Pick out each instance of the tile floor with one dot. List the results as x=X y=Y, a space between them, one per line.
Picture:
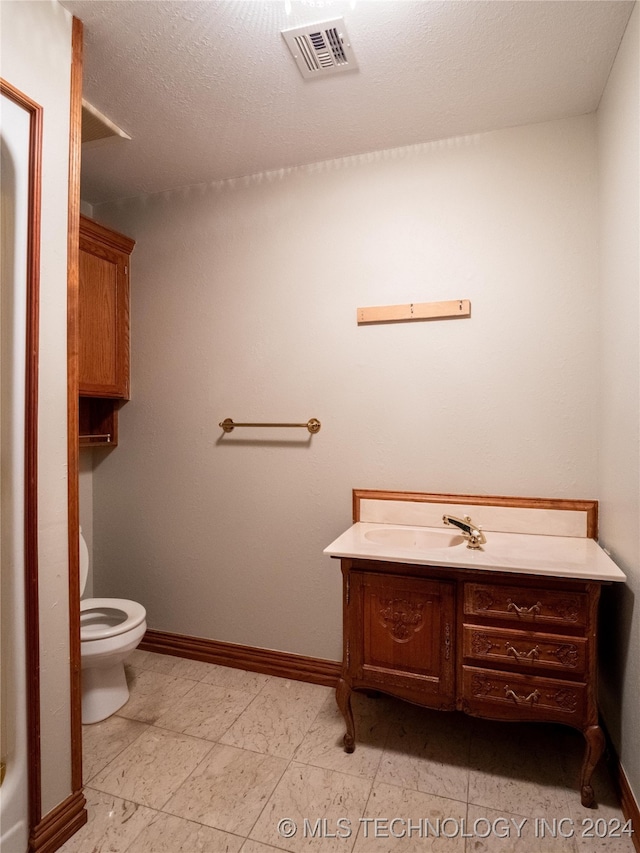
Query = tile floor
x=208 y=759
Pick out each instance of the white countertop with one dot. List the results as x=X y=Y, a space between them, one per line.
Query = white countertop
x=576 y=558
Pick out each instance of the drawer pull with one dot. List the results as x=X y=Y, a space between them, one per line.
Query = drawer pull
x=532 y=698
x=532 y=653
x=525 y=611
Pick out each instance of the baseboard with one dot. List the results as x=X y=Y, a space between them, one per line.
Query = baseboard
x=59 y=824
x=628 y=802
x=267 y=661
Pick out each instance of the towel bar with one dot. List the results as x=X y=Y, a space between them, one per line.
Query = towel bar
x=313 y=425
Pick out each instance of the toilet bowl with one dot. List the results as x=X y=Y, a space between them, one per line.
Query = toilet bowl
x=110 y=629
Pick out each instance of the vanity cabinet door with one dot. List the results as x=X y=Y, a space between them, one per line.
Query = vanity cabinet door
x=402 y=636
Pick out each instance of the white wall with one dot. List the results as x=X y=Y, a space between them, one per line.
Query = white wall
x=36 y=58
x=244 y=298
x=619 y=435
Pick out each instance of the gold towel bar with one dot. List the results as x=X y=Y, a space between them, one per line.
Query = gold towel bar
x=313 y=425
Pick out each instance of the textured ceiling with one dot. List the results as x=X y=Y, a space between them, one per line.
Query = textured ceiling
x=209 y=90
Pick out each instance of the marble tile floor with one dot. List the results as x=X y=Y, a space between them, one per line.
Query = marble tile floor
x=208 y=759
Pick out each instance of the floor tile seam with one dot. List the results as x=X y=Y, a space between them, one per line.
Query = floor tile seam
x=157 y=725
x=157 y=811
x=318 y=712
x=164 y=803
x=468 y=760
x=189 y=774
x=303 y=733
x=383 y=748
x=419 y=791
x=139 y=735
x=243 y=838
x=366 y=778
x=503 y=811
x=251 y=749
x=122 y=799
x=363 y=813
x=268 y=798
x=381 y=780
x=129 y=848
x=301 y=764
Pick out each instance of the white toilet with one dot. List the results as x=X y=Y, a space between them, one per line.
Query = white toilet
x=110 y=629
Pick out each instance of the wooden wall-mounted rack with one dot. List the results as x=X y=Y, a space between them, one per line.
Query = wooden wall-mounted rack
x=415 y=311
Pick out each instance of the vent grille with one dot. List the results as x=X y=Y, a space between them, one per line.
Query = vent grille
x=321 y=49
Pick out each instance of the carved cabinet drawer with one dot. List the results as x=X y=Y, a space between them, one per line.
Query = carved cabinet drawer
x=524 y=649
x=526 y=605
x=518 y=696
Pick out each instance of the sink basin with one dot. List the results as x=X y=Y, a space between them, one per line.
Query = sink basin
x=415 y=539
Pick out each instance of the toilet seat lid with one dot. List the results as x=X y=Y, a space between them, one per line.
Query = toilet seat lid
x=133 y=613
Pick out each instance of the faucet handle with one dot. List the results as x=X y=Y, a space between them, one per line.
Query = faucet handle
x=472 y=532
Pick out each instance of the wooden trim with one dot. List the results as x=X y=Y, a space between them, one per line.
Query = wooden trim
x=267 y=661
x=59 y=825
x=32 y=639
x=590 y=507
x=73 y=264
x=628 y=801
x=113 y=239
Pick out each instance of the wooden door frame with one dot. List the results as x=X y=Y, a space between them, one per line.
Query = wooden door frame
x=32 y=637
x=73 y=250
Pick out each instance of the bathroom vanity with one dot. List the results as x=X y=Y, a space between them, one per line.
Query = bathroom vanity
x=506 y=632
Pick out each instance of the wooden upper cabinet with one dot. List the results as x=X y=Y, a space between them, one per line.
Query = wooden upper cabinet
x=104 y=311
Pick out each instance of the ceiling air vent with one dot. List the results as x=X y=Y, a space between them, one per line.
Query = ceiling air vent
x=321 y=49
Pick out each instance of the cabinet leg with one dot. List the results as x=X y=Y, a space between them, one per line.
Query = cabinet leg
x=343 y=698
x=593 y=752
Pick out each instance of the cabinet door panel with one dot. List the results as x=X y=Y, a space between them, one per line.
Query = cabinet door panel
x=407 y=633
x=98 y=306
x=103 y=312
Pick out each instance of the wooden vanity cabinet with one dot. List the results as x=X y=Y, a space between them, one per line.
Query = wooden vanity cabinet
x=494 y=645
x=103 y=330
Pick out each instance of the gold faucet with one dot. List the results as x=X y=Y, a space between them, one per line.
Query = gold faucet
x=471 y=532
